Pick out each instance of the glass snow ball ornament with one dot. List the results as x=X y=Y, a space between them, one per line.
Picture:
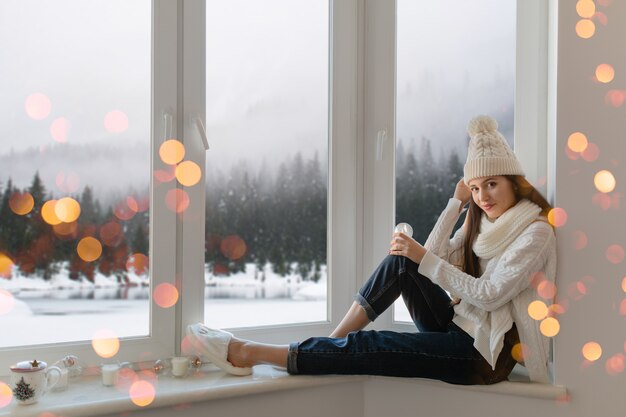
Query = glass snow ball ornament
x=404 y=228
x=161 y=366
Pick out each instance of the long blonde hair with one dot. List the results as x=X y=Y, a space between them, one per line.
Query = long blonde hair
x=522 y=189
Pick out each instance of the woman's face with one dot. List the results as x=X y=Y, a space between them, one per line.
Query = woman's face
x=494 y=195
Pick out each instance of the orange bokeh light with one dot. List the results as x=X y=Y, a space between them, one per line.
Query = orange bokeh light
x=21 y=203
x=67 y=210
x=165 y=295
x=7 y=302
x=557 y=217
x=116 y=121
x=592 y=351
x=111 y=233
x=615 y=98
x=623 y=283
x=233 y=247
x=615 y=254
x=615 y=364
x=137 y=262
x=557 y=309
x=546 y=290
x=520 y=352
x=165 y=175
x=105 y=343
x=66 y=230
x=580 y=239
x=6 y=266
x=38 y=106
x=142 y=393
x=6 y=395
x=585 y=8
x=172 y=151
x=585 y=28
x=89 y=249
x=132 y=203
x=604 y=181
x=59 y=129
x=48 y=212
x=605 y=73
x=622 y=307
x=177 y=200
x=549 y=327
x=591 y=153
x=537 y=310
x=577 y=142
x=188 y=173
x=123 y=211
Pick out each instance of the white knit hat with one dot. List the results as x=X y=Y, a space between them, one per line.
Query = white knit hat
x=488 y=153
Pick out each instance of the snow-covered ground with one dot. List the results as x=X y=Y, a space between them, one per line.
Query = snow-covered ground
x=82 y=308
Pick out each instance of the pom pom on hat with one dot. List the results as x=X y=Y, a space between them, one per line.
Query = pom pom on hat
x=488 y=154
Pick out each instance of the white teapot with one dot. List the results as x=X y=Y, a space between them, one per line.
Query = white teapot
x=31 y=380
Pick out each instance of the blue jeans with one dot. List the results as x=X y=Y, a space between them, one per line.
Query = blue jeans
x=440 y=350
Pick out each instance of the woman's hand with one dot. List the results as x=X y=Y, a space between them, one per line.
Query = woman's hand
x=462 y=192
x=402 y=245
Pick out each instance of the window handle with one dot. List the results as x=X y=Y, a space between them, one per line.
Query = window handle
x=197 y=120
x=380 y=143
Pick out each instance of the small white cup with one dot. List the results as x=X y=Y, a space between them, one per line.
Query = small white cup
x=180 y=366
x=109 y=374
x=31 y=380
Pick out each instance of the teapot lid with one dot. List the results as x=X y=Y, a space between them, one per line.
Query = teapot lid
x=26 y=366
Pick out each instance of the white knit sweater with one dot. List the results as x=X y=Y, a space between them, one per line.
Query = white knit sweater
x=501 y=295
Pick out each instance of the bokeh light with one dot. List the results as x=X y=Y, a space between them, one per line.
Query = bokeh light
x=622 y=307
x=6 y=395
x=132 y=203
x=165 y=175
x=624 y=284
x=105 y=343
x=48 y=212
x=604 y=181
x=577 y=142
x=581 y=287
x=615 y=98
x=585 y=28
x=138 y=263
x=141 y=393
x=116 y=121
x=111 y=233
x=592 y=351
x=6 y=265
x=123 y=211
x=615 y=364
x=188 y=173
x=89 y=249
x=520 y=352
x=177 y=200
x=537 y=310
x=557 y=217
x=546 y=290
x=591 y=153
x=549 y=327
x=233 y=247
x=585 y=8
x=165 y=295
x=580 y=239
x=21 y=203
x=66 y=230
x=7 y=301
x=172 y=152
x=557 y=309
x=38 y=106
x=67 y=209
x=615 y=254
x=601 y=18
x=59 y=129
x=605 y=73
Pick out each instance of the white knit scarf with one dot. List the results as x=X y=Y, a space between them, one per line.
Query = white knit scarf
x=494 y=237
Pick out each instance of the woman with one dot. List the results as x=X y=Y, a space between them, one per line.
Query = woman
x=468 y=296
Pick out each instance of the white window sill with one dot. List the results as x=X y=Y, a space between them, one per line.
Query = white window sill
x=88 y=397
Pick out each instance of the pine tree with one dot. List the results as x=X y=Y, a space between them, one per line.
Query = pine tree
x=23 y=390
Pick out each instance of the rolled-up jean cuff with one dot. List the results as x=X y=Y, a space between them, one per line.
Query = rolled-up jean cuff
x=371 y=314
x=292 y=358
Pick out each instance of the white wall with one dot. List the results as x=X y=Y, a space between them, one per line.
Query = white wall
x=596 y=317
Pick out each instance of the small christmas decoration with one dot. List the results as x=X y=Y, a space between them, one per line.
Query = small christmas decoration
x=23 y=391
x=196 y=362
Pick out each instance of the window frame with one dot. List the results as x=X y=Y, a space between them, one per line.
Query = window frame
x=160 y=342
x=531 y=121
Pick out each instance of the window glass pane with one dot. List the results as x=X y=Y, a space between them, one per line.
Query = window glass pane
x=267 y=121
x=450 y=68
x=74 y=185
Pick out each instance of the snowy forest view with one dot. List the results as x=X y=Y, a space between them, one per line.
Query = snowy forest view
x=259 y=217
